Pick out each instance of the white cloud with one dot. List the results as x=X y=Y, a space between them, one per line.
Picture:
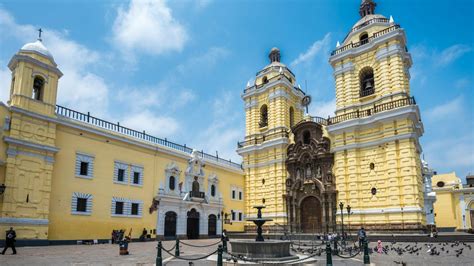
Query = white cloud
x=161 y=126
x=439 y=58
x=453 y=108
x=225 y=129
x=148 y=27
x=206 y=60
x=5 y=82
x=451 y=153
x=78 y=88
x=451 y=53
x=317 y=47
x=323 y=109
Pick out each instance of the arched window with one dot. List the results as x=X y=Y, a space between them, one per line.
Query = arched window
x=306 y=137
x=364 y=38
x=213 y=190
x=38 y=87
x=265 y=80
x=172 y=182
x=366 y=78
x=292 y=117
x=263 y=116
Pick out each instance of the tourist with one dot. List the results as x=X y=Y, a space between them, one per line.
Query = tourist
x=143 y=236
x=362 y=236
x=379 y=247
x=10 y=241
x=224 y=236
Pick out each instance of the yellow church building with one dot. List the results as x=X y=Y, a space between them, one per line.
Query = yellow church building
x=454 y=206
x=71 y=176
x=68 y=175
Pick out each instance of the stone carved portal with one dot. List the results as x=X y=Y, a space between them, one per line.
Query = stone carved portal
x=310 y=189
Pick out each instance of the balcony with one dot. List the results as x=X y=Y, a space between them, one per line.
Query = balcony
x=367 y=92
x=197 y=194
x=282 y=133
x=364 y=41
x=371 y=111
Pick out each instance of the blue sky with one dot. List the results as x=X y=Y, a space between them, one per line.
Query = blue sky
x=177 y=68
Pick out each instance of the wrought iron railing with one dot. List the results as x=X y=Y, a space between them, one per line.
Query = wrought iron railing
x=367 y=92
x=364 y=41
x=371 y=111
x=278 y=77
x=282 y=133
x=142 y=135
x=196 y=194
x=368 y=22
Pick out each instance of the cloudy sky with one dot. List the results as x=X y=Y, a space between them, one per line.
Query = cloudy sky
x=177 y=68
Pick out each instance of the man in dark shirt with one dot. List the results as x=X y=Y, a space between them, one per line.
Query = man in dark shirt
x=10 y=241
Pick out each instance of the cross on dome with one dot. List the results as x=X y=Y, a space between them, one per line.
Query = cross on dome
x=39 y=34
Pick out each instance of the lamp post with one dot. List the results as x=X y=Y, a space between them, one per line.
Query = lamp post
x=341 y=206
x=221 y=216
x=349 y=216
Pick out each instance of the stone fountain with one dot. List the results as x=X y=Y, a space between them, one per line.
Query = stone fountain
x=259 y=249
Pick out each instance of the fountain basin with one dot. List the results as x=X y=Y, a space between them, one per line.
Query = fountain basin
x=268 y=250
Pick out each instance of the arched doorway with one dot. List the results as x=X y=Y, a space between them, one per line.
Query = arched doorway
x=310 y=215
x=212 y=225
x=170 y=224
x=193 y=224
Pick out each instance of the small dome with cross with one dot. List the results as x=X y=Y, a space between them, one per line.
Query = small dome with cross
x=37 y=47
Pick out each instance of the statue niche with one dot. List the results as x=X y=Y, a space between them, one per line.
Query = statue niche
x=310 y=192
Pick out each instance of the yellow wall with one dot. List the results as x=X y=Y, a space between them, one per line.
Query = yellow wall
x=453 y=202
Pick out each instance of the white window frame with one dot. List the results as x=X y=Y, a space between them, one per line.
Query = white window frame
x=238 y=190
x=87 y=158
x=77 y=195
x=136 y=169
x=120 y=165
x=127 y=207
x=239 y=216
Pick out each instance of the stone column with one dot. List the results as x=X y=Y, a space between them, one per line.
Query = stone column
x=160 y=223
x=323 y=212
x=203 y=224
x=181 y=222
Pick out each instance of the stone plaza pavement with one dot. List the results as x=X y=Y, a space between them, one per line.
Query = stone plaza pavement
x=145 y=254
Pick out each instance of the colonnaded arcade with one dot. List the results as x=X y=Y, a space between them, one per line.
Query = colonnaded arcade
x=64 y=169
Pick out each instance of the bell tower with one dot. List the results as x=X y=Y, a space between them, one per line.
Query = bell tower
x=376 y=130
x=272 y=107
x=29 y=137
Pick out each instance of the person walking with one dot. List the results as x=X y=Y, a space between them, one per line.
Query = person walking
x=362 y=235
x=10 y=241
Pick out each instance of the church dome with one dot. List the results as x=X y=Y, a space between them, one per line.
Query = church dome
x=37 y=47
x=367 y=18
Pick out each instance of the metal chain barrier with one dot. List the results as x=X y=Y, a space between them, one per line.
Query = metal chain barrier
x=196 y=246
x=191 y=259
x=168 y=250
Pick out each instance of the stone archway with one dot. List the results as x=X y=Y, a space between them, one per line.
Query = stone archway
x=170 y=224
x=193 y=224
x=310 y=215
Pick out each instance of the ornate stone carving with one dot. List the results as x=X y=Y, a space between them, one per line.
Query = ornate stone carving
x=311 y=194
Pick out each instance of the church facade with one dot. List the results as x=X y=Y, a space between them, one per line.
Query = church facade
x=374 y=155
x=71 y=176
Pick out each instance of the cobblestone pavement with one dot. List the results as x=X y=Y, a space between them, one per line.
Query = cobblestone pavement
x=145 y=254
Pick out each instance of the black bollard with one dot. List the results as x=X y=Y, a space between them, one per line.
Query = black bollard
x=366 y=253
x=176 y=251
x=219 y=255
x=328 y=254
x=159 y=259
